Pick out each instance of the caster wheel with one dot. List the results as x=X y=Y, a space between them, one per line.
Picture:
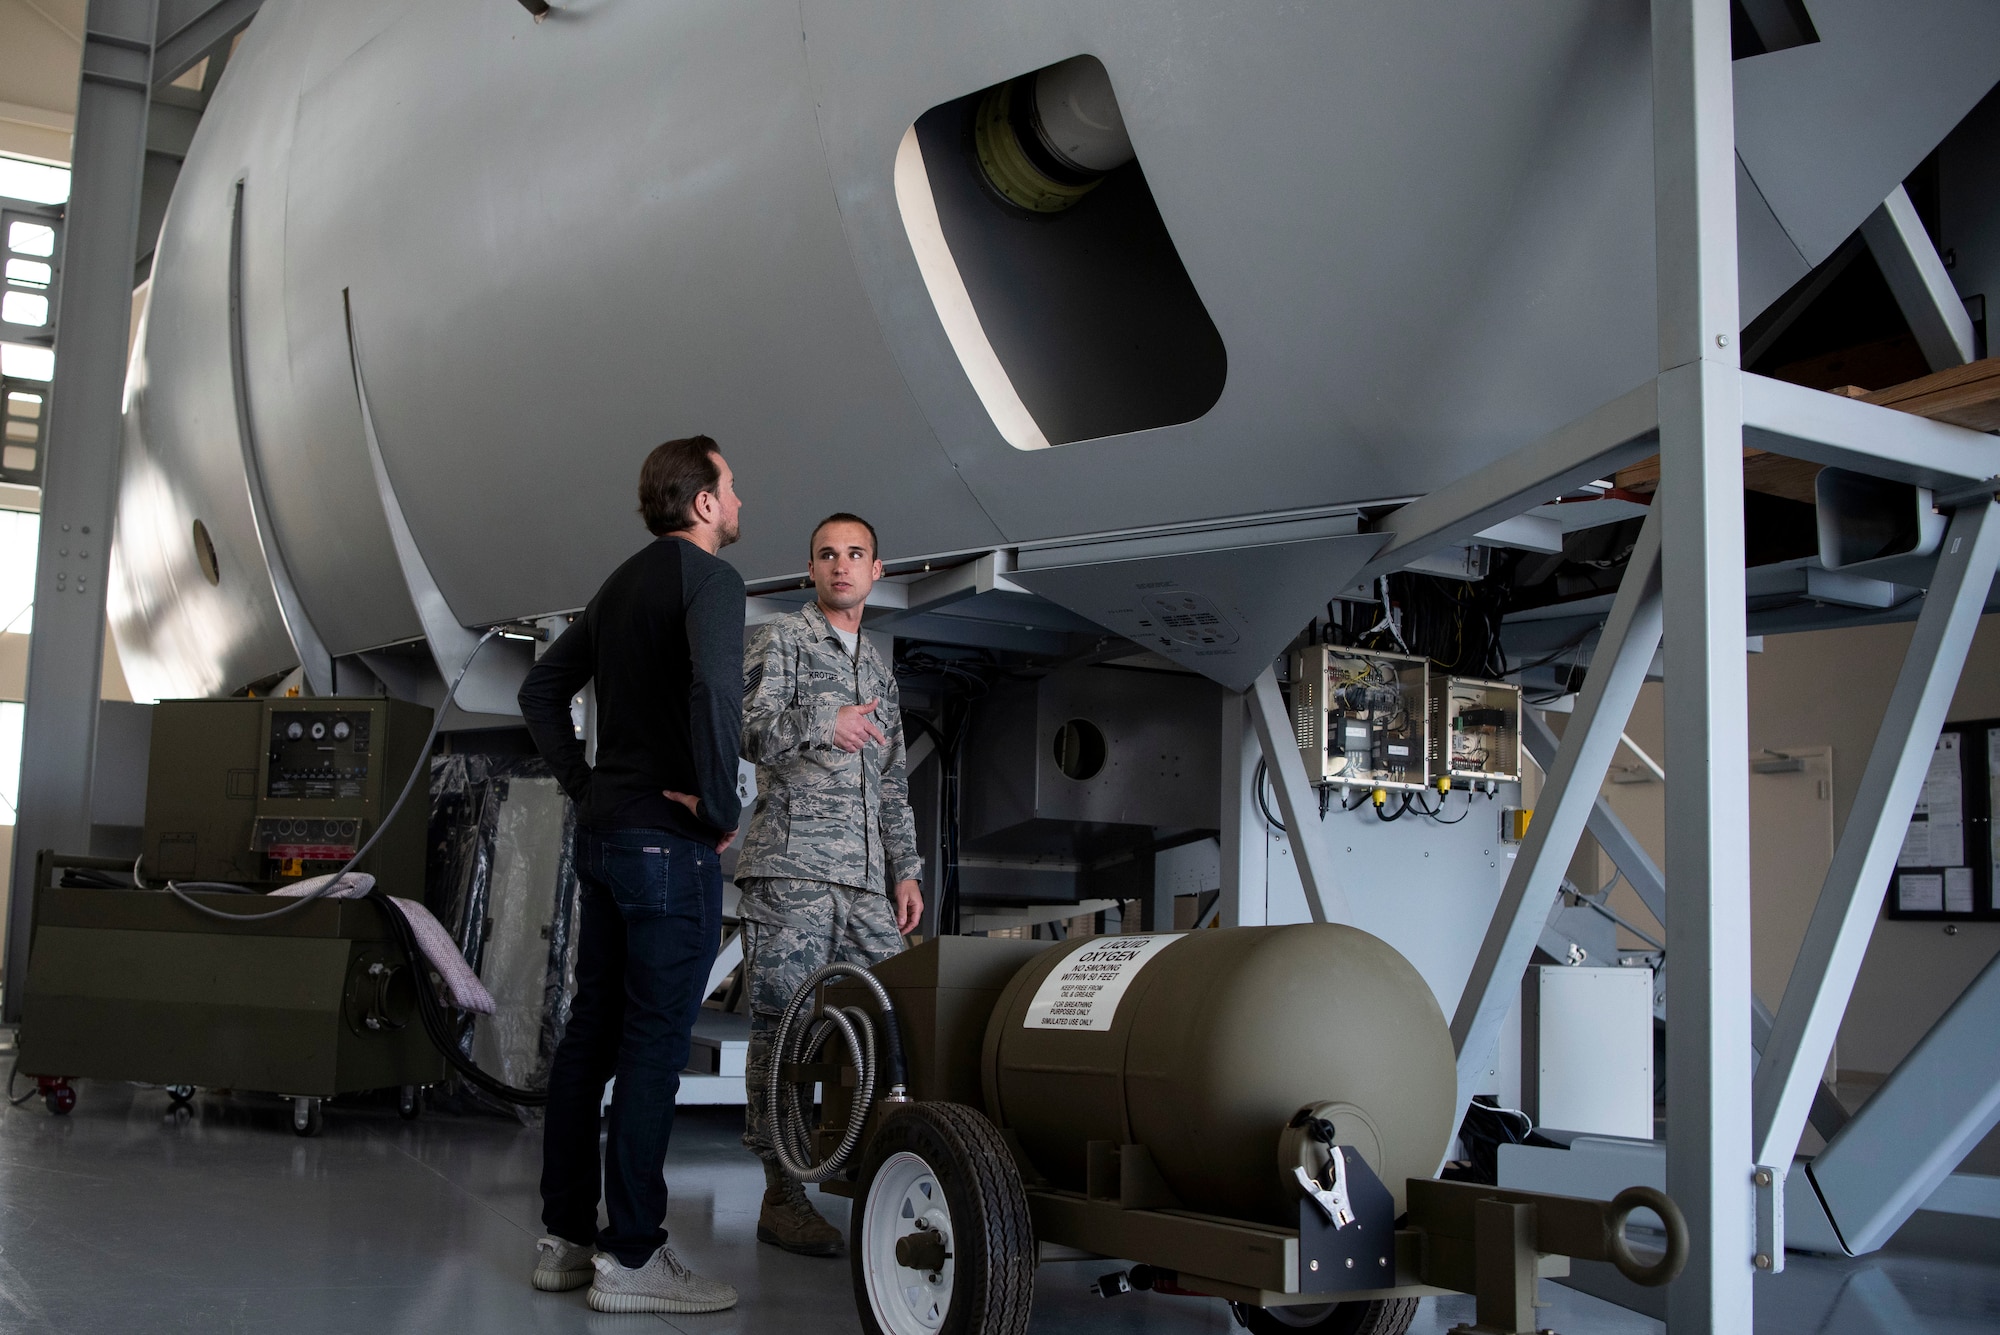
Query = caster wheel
x=308 y=1118
x=409 y=1102
x=942 y=1242
x=1389 y=1316
x=180 y=1093
x=61 y=1100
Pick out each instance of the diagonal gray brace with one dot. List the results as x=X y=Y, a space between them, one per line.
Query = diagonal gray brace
x=1617 y=671
x=1941 y=1101
x=1829 y=958
x=1917 y=277
x=1296 y=802
x=1604 y=825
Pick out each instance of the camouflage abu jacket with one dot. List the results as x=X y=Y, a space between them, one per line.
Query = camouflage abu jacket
x=822 y=814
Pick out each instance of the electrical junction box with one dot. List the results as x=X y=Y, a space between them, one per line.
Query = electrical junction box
x=1362 y=718
x=261 y=792
x=1475 y=731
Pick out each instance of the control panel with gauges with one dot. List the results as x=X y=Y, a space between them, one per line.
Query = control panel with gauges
x=267 y=791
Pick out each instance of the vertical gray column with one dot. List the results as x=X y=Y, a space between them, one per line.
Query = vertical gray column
x=1245 y=900
x=80 y=477
x=1707 y=712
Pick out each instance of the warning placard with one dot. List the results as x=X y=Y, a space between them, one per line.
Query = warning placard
x=1084 y=990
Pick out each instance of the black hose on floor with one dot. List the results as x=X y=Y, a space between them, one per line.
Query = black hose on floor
x=437 y=1024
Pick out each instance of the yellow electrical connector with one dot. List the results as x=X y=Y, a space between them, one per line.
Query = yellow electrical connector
x=1444 y=783
x=1381 y=796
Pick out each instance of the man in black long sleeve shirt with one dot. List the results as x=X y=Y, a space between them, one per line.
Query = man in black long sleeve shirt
x=663 y=643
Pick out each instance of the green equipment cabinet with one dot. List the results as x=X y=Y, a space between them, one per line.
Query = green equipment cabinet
x=135 y=985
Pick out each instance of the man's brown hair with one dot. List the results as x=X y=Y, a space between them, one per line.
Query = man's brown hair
x=842 y=517
x=672 y=476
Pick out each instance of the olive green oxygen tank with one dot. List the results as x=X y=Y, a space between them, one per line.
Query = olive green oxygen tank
x=1201 y=1046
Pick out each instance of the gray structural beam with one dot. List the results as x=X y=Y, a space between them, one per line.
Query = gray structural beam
x=1822 y=428
x=80 y=472
x=1709 y=1169
x=1245 y=897
x=1618 y=670
x=1595 y=445
x=190 y=29
x=1296 y=800
x=1898 y=1150
x=1916 y=276
x=1843 y=920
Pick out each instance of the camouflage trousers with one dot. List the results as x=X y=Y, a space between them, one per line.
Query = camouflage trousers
x=790 y=929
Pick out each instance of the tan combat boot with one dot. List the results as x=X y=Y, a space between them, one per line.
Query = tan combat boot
x=788 y=1220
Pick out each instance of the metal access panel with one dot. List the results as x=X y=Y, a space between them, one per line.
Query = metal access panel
x=1362 y=718
x=1475 y=730
x=1587 y=1049
x=134 y=985
x=261 y=792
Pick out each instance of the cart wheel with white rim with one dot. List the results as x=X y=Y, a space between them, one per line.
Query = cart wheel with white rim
x=941 y=1243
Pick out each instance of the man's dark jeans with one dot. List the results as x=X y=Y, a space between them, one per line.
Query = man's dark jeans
x=651 y=916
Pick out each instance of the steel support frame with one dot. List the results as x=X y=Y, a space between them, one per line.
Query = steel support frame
x=1709 y=1167
x=1297 y=803
x=80 y=466
x=1617 y=671
x=1836 y=939
x=1701 y=410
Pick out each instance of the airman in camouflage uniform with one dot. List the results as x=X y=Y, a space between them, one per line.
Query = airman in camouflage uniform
x=831 y=832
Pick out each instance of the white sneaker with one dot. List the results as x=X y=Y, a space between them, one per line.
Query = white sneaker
x=663 y=1284
x=561 y=1266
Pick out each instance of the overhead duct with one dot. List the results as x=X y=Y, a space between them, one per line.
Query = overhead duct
x=1872 y=526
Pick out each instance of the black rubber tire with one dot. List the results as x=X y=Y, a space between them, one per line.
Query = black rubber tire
x=1388 y=1316
x=410 y=1102
x=315 y=1119
x=993 y=1280
x=180 y=1094
x=60 y=1101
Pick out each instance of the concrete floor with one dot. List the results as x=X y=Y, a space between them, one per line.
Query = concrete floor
x=131 y=1216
